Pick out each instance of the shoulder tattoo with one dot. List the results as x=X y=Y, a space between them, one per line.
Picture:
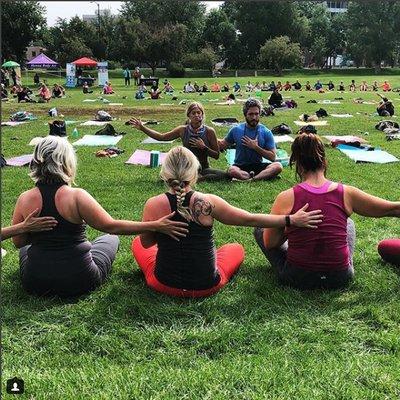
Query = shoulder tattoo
x=201 y=207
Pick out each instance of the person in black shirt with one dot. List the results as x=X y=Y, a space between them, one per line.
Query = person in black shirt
x=276 y=99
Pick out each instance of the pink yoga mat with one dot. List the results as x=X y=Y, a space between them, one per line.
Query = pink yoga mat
x=142 y=157
x=20 y=161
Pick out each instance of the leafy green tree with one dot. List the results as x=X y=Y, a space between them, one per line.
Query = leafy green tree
x=319 y=51
x=68 y=40
x=20 y=24
x=159 y=13
x=139 y=41
x=203 y=59
x=279 y=53
x=219 y=32
x=373 y=29
x=258 y=21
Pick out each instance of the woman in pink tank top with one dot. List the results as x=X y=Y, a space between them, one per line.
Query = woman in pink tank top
x=321 y=257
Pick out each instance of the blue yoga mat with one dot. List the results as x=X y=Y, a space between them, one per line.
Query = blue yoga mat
x=281 y=156
x=362 y=155
x=98 y=140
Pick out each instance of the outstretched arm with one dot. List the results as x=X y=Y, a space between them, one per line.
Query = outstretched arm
x=369 y=206
x=138 y=124
x=95 y=215
x=229 y=215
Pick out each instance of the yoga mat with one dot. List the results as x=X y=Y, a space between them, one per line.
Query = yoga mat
x=94 y=123
x=283 y=138
x=142 y=157
x=13 y=123
x=341 y=115
x=345 y=138
x=98 y=140
x=20 y=161
x=281 y=156
x=115 y=104
x=362 y=155
x=150 y=140
x=89 y=100
x=315 y=123
x=329 y=102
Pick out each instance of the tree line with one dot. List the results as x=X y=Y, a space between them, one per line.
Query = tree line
x=181 y=33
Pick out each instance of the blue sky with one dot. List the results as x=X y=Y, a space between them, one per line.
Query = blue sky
x=68 y=9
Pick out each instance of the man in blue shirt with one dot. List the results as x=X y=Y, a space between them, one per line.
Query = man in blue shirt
x=127 y=76
x=253 y=143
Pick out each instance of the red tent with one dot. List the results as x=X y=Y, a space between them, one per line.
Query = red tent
x=85 y=62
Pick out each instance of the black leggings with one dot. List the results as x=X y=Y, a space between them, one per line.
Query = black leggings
x=302 y=279
x=210 y=174
x=69 y=272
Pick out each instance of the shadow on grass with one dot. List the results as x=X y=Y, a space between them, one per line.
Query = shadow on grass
x=253 y=295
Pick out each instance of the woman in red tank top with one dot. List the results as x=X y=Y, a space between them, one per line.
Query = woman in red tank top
x=321 y=257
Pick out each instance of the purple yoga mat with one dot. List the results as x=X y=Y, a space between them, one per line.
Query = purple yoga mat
x=20 y=161
x=142 y=157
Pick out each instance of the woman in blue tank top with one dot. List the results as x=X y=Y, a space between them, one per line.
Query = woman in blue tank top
x=200 y=139
x=62 y=261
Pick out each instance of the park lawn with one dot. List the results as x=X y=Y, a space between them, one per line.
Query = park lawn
x=252 y=340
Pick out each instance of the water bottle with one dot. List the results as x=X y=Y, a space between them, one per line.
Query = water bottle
x=75 y=133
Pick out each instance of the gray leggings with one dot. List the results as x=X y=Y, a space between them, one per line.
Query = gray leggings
x=303 y=279
x=69 y=272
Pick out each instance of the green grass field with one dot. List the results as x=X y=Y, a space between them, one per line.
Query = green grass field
x=252 y=340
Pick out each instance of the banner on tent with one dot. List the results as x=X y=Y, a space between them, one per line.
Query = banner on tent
x=70 y=78
x=102 y=68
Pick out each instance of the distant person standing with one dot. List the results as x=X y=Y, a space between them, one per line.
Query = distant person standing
x=36 y=79
x=136 y=75
x=14 y=76
x=127 y=76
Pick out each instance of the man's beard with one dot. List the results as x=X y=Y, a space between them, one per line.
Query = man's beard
x=252 y=123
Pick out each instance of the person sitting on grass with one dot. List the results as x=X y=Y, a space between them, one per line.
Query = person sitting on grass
x=107 y=89
x=44 y=93
x=253 y=143
x=86 y=89
x=36 y=79
x=249 y=87
x=331 y=86
x=155 y=93
x=264 y=86
x=318 y=85
x=225 y=87
x=385 y=107
x=189 y=88
x=200 y=139
x=386 y=86
x=287 y=86
x=62 y=261
x=297 y=85
x=308 y=86
x=24 y=95
x=276 y=99
x=341 y=87
x=58 y=91
x=194 y=267
x=215 y=87
x=353 y=86
x=307 y=259
x=196 y=87
x=204 y=88
x=236 y=87
x=364 y=86
x=168 y=87
x=375 y=86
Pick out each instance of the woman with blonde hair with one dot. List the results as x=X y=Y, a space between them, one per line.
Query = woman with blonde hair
x=199 y=138
x=323 y=258
x=194 y=267
x=62 y=261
